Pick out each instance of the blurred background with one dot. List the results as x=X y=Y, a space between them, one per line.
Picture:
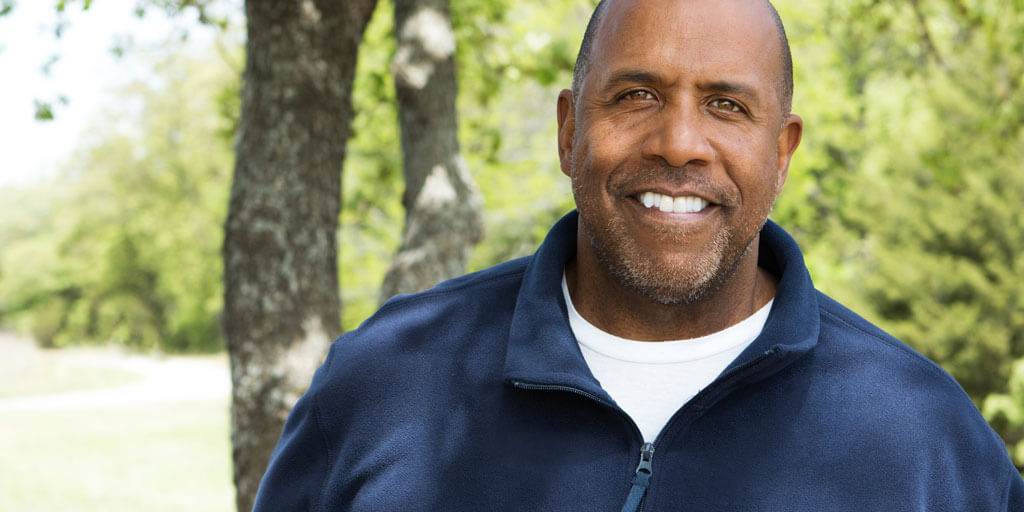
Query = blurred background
x=118 y=128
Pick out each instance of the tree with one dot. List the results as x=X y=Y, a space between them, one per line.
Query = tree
x=443 y=207
x=907 y=190
x=124 y=246
x=510 y=60
x=281 y=290
x=281 y=303
x=903 y=193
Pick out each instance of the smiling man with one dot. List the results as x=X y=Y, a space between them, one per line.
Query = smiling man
x=665 y=348
x=677 y=148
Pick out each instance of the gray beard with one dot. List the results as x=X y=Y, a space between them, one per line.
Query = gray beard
x=631 y=268
x=703 y=277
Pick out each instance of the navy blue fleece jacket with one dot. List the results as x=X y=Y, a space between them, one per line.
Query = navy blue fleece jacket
x=473 y=396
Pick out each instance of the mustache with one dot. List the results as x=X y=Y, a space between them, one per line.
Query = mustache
x=630 y=180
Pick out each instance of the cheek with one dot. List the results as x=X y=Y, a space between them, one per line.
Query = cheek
x=755 y=176
x=765 y=187
x=608 y=141
x=758 y=152
x=590 y=159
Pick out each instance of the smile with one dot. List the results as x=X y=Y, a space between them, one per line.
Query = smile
x=669 y=204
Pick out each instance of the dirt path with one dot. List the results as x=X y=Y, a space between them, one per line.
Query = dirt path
x=164 y=379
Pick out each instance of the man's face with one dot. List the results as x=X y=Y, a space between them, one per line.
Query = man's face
x=677 y=145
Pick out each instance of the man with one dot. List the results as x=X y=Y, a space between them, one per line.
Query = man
x=664 y=348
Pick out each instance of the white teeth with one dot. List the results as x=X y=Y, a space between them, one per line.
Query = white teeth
x=681 y=204
x=665 y=204
x=669 y=204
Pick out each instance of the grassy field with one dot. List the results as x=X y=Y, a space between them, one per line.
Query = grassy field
x=170 y=456
x=41 y=372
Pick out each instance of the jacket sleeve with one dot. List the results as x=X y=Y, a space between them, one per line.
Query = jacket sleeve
x=1015 y=492
x=300 y=462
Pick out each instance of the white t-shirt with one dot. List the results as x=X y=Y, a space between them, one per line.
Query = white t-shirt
x=652 y=380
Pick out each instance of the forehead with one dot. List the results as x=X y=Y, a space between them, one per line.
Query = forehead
x=700 y=39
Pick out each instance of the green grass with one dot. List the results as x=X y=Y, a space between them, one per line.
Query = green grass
x=51 y=373
x=169 y=457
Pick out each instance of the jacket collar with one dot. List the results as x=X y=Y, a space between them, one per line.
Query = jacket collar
x=543 y=350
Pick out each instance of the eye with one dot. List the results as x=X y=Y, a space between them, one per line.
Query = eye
x=726 y=106
x=637 y=95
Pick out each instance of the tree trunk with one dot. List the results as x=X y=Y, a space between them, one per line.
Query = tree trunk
x=281 y=302
x=443 y=206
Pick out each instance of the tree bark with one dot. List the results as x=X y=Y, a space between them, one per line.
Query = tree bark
x=281 y=297
x=443 y=206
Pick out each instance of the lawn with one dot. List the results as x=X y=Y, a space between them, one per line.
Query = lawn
x=41 y=372
x=169 y=456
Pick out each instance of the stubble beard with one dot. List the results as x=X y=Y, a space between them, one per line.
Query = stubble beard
x=689 y=282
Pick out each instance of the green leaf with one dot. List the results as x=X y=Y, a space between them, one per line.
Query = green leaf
x=44 y=111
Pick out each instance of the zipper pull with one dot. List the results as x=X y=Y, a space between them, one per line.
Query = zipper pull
x=641 y=479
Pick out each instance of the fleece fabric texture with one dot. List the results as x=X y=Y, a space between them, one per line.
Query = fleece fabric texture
x=474 y=396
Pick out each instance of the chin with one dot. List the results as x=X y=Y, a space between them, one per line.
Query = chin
x=687 y=284
x=675 y=294
x=680 y=280
x=675 y=279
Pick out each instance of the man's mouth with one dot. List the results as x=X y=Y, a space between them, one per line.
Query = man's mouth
x=670 y=204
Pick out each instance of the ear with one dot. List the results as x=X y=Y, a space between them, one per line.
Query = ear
x=566 y=129
x=789 y=138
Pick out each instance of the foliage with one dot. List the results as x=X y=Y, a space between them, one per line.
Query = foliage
x=1005 y=411
x=908 y=183
x=512 y=58
x=904 y=195
x=125 y=245
x=507 y=125
x=372 y=213
x=62 y=4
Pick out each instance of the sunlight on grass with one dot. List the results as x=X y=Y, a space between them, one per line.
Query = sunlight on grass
x=49 y=372
x=168 y=457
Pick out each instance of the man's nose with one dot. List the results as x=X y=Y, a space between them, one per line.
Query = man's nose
x=677 y=137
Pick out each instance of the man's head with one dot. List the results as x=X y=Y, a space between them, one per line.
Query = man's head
x=673 y=141
x=586 y=46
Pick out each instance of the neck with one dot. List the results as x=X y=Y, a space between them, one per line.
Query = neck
x=615 y=309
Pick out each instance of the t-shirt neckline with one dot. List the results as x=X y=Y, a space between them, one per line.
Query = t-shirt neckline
x=663 y=352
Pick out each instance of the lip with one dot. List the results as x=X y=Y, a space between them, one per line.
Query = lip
x=655 y=214
x=672 y=192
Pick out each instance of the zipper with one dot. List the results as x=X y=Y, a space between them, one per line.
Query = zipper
x=576 y=391
x=641 y=479
x=644 y=470
x=642 y=475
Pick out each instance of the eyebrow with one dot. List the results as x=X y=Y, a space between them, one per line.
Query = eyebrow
x=637 y=76
x=737 y=88
x=631 y=76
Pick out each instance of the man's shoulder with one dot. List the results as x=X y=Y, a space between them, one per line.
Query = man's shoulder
x=498 y=282
x=851 y=335
x=444 y=317
x=880 y=379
